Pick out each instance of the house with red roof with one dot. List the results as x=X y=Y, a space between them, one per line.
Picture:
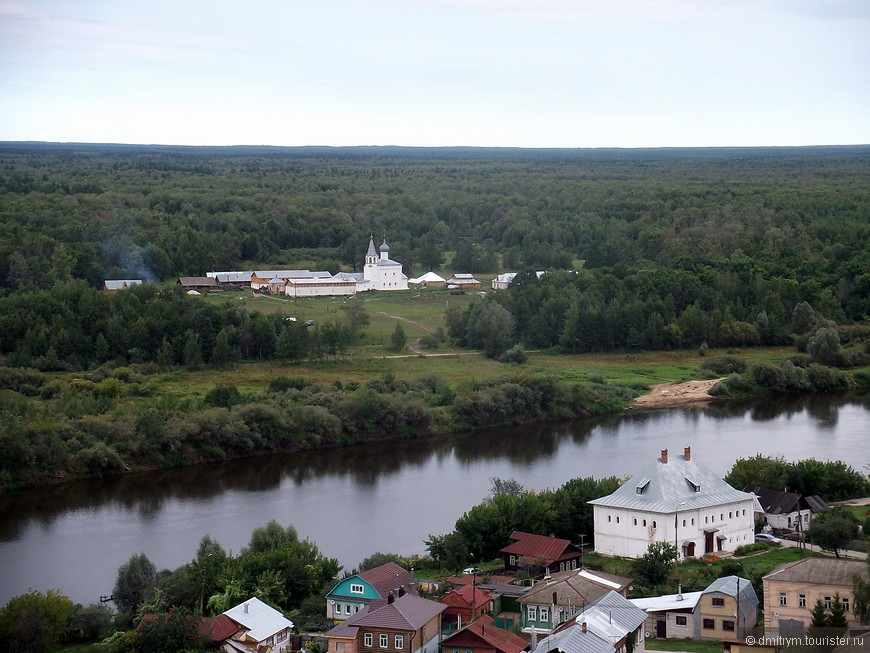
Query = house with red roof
x=403 y=623
x=483 y=636
x=465 y=604
x=353 y=593
x=540 y=554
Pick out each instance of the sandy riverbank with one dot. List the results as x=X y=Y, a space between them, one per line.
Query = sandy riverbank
x=666 y=395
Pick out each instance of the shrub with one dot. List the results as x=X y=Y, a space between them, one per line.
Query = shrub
x=223 y=396
x=284 y=383
x=515 y=354
x=724 y=364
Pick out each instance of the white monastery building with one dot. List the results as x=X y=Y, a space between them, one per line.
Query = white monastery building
x=380 y=272
x=674 y=500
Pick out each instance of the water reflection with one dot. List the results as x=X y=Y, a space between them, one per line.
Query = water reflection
x=430 y=482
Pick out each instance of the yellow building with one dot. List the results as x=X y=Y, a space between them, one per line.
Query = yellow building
x=727 y=609
x=792 y=589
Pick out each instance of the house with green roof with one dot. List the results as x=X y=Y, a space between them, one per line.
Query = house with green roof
x=353 y=593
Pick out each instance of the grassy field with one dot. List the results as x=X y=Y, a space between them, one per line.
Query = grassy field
x=427 y=308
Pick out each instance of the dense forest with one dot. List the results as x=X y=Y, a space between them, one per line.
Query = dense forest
x=648 y=249
x=644 y=250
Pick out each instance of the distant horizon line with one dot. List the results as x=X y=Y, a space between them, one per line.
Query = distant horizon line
x=433 y=147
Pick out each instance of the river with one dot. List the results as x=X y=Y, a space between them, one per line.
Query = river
x=387 y=496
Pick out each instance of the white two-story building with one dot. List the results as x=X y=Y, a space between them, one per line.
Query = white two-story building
x=676 y=500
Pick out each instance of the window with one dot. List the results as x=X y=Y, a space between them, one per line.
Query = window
x=384 y=640
x=654 y=523
x=693 y=521
x=718 y=602
x=617 y=520
x=730 y=515
x=782 y=599
x=681 y=621
x=609 y=518
x=728 y=626
x=337 y=609
x=357 y=589
x=684 y=522
x=545 y=614
x=347 y=608
x=721 y=516
x=644 y=523
x=635 y=522
x=513 y=559
x=845 y=602
x=281 y=636
x=532 y=613
x=339 y=647
x=709 y=624
x=802 y=600
x=400 y=641
x=706 y=520
x=367 y=639
x=827 y=603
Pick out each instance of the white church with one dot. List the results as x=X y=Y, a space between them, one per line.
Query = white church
x=676 y=500
x=380 y=272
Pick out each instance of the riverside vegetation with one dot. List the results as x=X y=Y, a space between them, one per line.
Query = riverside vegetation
x=676 y=252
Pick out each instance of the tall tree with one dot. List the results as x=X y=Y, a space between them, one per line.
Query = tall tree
x=135 y=581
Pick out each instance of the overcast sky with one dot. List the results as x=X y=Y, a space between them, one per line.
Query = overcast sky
x=528 y=73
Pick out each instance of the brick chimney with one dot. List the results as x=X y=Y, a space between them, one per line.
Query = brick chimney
x=665 y=456
x=391 y=597
x=583 y=626
x=687 y=453
x=402 y=591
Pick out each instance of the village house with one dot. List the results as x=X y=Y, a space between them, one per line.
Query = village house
x=504 y=595
x=533 y=555
x=463 y=280
x=792 y=589
x=483 y=636
x=787 y=511
x=403 y=623
x=726 y=610
x=353 y=593
x=610 y=625
x=564 y=595
x=232 y=279
x=260 y=626
x=465 y=604
x=676 y=500
x=670 y=615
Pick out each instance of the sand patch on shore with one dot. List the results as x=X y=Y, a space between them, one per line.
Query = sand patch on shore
x=665 y=395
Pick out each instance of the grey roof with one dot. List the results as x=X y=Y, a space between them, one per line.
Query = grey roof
x=372 y=251
x=231 y=276
x=820 y=571
x=384 y=247
x=729 y=585
x=607 y=621
x=678 y=484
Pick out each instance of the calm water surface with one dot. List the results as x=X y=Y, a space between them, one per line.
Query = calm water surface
x=383 y=497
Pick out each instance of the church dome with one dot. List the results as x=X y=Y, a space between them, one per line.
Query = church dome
x=384 y=247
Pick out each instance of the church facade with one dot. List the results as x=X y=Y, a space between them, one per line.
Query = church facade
x=380 y=272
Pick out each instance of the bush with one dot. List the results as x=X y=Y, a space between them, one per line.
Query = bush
x=724 y=364
x=223 y=396
x=826 y=379
x=284 y=383
x=515 y=354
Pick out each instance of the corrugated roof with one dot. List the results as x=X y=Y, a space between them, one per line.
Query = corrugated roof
x=608 y=620
x=540 y=547
x=684 y=601
x=775 y=502
x=120 y=284
x=470 y=593
x=678 y=484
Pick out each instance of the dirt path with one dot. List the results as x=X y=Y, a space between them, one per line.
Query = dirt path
x=666 y=395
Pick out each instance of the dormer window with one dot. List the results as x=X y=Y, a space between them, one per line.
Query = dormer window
x=695 y=486
x=357 y=589
x=642 y=486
